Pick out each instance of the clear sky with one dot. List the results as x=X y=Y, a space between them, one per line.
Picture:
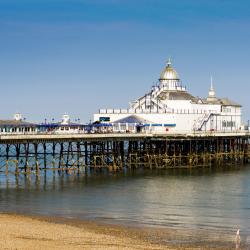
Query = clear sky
x=77 y=56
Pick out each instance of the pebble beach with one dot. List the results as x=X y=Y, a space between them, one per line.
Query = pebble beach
x=30 y=232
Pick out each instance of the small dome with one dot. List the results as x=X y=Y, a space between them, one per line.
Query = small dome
x=18 y=117
x=169 y=72
x=65 y=119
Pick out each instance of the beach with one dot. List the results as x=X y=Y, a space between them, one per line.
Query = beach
x=22 y=232
x=29 y=232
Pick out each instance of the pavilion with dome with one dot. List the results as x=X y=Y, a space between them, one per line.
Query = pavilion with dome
x=169 y=107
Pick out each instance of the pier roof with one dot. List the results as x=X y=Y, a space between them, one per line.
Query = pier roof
x=16 y=123
x=59 y=124
x=223 y=102
x=228 y=102
x=132 y=119
x=178 y=95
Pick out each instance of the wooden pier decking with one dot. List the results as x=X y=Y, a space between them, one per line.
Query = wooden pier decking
x=116 y=136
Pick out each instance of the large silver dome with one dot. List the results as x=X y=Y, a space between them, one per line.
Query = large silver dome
x=169 y=72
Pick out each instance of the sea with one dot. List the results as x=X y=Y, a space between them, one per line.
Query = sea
x=216 y=199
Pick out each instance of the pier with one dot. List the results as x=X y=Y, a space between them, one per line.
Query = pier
x=38 y=153
x=167 y=127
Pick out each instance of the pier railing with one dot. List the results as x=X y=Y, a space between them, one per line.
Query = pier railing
x=100 y=134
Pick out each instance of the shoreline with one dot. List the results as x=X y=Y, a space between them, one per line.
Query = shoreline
x=18 y=231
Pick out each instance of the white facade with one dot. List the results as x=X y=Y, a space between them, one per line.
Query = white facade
x=169 y=107
x=67 y=127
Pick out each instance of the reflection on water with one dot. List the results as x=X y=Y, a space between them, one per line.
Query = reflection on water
x=191 y=198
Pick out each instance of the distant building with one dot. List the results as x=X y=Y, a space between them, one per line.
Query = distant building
x=17 y=125
x=168 y=106
x=63 y=127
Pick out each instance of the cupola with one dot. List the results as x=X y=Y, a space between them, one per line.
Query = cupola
x=169 y=73
x=169 y=79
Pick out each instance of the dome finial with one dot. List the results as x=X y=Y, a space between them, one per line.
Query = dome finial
x=169 y=63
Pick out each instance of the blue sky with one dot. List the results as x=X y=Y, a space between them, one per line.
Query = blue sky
x=77 y=56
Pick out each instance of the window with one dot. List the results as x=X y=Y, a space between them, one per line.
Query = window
x=228 y=124
x=226 y=110
x=104 y=119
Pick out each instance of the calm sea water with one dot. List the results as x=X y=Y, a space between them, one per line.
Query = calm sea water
x=213 y=199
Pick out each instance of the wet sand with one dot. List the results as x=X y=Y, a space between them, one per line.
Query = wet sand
x=33 y=232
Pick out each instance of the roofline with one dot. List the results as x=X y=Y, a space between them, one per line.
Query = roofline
x=232 y=105
x=175 y=79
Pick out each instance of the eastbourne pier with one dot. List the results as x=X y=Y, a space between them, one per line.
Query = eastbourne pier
x=165 y=128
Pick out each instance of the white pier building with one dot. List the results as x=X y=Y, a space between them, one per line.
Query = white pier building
x=170 y=107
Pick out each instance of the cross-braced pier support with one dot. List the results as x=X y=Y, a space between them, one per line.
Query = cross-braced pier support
x=114 y=154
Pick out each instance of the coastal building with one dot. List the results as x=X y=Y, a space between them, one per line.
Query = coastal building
x=65 y=126
x=168 y=106
x=18 y=125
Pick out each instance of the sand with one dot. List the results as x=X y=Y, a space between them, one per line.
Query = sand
x=26 y=232
x=21 y=232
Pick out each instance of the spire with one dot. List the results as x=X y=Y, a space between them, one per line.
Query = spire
x=211 y=85
x=211 y=93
